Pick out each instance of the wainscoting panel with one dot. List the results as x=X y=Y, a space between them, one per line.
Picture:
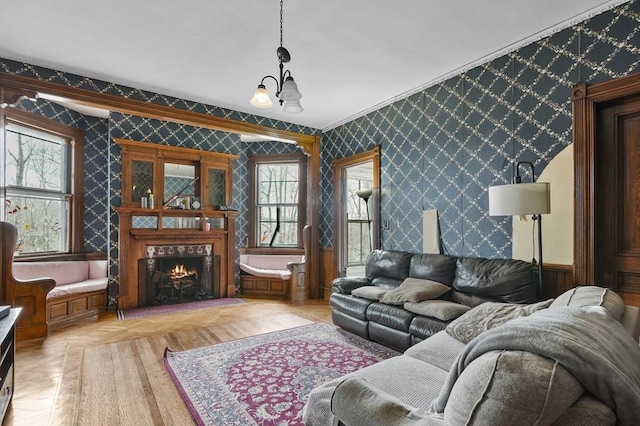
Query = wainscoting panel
x=556 y=280
x=328 y=272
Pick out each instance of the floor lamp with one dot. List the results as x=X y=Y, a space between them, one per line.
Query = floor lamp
x=523 y=199
x=365 y=194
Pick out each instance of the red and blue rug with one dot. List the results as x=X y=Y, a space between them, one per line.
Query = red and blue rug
x=265 y=379
x=177 y=307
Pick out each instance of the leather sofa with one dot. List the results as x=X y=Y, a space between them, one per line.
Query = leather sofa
x=471 y=280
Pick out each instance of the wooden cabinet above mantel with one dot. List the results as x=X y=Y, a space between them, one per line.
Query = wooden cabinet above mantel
x=145 y=168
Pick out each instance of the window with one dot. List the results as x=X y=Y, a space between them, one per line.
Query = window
x=358 y=221
x=278 y=188
x=40 y=197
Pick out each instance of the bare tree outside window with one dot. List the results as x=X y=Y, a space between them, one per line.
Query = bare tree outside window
x=37 y=189
x=278 y=191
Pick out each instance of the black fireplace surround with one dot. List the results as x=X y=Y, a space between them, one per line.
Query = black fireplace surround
x=177 y=274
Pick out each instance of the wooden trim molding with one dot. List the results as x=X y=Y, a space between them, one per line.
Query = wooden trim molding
x=585 y=100
x=25 y=86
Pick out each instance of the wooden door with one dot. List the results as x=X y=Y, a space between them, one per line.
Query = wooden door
x=617 y=208
x=606 y=130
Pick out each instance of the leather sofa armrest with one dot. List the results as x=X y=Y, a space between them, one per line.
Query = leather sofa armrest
x=355 y=402
x=346 y=285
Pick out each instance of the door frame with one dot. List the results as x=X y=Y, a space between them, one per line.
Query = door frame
x=586 y=99
x=339 y=218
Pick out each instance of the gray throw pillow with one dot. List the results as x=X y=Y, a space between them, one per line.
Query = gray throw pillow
x=592 y=295
x=370 y=292
x=440 y=309
x=414 y=290
x=489 y=315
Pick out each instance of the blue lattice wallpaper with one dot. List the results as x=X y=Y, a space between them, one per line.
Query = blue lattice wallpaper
x=443 y=147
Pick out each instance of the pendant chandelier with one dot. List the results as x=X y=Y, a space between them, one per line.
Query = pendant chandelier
x=286 y=89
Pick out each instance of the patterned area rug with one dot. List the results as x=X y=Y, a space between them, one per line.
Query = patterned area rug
x=178 y=307
x=265 y=379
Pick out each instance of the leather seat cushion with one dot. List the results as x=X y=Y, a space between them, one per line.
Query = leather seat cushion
x=353 y=306
x=391 y=316
x=424 y=327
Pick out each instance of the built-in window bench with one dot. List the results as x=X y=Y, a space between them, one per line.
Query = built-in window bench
x=80 y=290
x=273 y=276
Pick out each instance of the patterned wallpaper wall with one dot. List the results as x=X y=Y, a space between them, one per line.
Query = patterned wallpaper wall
x=443 y=147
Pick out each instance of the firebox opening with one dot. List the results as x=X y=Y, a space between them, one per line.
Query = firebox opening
x=177 y=280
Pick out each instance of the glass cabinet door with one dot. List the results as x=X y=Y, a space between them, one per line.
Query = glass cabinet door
x=141 y=180
x=216 y=191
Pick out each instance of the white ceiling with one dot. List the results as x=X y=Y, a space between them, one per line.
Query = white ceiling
x=347 y=56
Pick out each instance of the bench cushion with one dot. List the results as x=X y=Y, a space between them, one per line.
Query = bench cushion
x=268 y=266
x=72 y=276
x=79 y=287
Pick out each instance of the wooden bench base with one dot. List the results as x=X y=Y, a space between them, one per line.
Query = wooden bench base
x=253 y=286
x=67 y=310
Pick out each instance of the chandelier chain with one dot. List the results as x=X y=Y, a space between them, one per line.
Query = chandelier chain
x=281 y=3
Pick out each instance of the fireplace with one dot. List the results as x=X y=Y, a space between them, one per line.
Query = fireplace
x=177 y=274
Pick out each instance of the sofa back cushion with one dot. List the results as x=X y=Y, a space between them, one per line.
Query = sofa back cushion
x=434 y=267
x=505 y=280
x=387 y=268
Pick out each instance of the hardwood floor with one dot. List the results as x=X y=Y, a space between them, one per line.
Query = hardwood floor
x=55 y=381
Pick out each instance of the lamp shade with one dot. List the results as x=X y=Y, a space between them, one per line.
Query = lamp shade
x=365 y=193
x=261 y=98
x=289 y=90
x=520 y=198
x=292 y=106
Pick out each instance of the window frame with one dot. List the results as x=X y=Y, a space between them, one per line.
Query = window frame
x=75 y=138
x=254 y=162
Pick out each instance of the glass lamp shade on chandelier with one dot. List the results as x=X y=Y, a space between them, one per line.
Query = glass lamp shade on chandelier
x=286 y=88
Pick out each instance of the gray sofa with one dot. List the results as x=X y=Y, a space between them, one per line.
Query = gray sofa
x=574 y=362
x=358 y=303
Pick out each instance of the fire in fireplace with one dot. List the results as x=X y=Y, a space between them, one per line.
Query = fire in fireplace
x=176 y=274
x=177 y=280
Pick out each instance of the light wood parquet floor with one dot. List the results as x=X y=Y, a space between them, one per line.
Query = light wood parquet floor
x=111 y=372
